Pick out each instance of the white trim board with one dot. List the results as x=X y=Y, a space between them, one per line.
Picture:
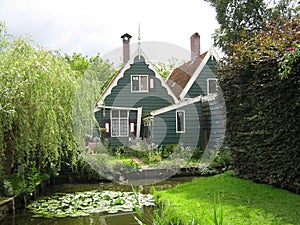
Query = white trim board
x=99 y=107
x=211 y=52
x=180 y=104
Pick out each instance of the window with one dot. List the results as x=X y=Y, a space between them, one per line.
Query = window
x=180 y=121
x=212 y=86
x=139 y=83
x=119 y=123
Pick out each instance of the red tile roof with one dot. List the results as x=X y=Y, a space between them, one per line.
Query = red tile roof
x=181 y=75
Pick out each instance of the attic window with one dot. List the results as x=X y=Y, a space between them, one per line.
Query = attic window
x=139 y=83
x=212 y=85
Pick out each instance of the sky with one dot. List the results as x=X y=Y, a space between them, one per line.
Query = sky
x=95 y=26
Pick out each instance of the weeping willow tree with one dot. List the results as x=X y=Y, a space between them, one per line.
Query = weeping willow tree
x=36 y=109
x=93 y=75
x=45 y=101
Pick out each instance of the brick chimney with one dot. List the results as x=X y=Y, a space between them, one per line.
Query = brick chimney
x=126 y=47
x=195 y=46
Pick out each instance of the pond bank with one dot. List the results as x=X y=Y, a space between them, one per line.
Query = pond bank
x=23 y=216
x=11 y=204
x=145 y=176
x=140 y=176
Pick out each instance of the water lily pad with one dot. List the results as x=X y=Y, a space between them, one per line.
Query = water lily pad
x=86 y=203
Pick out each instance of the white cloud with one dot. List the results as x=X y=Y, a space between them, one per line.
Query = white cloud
x=93 y=26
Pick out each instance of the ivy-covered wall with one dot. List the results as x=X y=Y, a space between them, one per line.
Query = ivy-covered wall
x=263 y=127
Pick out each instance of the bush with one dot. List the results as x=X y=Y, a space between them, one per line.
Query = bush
x=262 y=124
x=223 y=158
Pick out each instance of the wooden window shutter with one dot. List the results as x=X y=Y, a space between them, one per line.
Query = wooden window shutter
x=151 y=84
x=106 y=123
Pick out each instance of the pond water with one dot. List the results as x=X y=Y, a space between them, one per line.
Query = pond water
x=24 y=217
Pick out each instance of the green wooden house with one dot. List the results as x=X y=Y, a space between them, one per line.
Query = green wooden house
x=139 y=104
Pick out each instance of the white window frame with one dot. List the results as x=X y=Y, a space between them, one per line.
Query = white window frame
x=119 y=119
x=208 y=89
x=139 y=79
x=182 y=130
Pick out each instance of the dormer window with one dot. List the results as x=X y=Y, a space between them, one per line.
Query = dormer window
x=139 y=83
x=212 y=86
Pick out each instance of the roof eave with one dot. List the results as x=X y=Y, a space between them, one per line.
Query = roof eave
x=176 y=105
x=211 y=52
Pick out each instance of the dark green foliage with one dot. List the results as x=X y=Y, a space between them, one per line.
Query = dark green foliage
x=260 y=81
x=263 y=123
x=223 y=158
x=243 y=18
x=168 y=150
x=235 y=17
x=197 y=154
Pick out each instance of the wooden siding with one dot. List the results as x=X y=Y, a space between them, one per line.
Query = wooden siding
x=164 y=127
x=199 y=87
x=122 y=96
x=213 y=123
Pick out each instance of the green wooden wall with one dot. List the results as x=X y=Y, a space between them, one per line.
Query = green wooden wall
x=200 y=85
x=213 y=123
x=164 y=131
x=121 y=94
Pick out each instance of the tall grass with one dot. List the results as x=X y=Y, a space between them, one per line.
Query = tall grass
x=164 y=214
x=225 y=199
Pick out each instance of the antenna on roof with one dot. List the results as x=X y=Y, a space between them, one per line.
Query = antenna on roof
x=139 y=41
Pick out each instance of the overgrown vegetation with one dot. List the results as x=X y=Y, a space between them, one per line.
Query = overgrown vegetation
x=260 y=81
x=240 y=20
x=123 y=163
x=42 y=110
x=226 y=199
x=36 y=108
x=259 y=76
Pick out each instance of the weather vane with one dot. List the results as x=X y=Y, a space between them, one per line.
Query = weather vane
x=139 y=41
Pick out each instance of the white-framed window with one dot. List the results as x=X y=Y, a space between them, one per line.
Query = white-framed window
x=212 y=86
x=119 y=123
x=139 y=83
x=180 y=121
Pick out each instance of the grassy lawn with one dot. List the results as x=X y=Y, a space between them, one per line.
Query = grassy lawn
x=239 y=201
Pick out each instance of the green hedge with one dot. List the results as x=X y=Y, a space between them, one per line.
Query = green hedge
x=263 y=124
